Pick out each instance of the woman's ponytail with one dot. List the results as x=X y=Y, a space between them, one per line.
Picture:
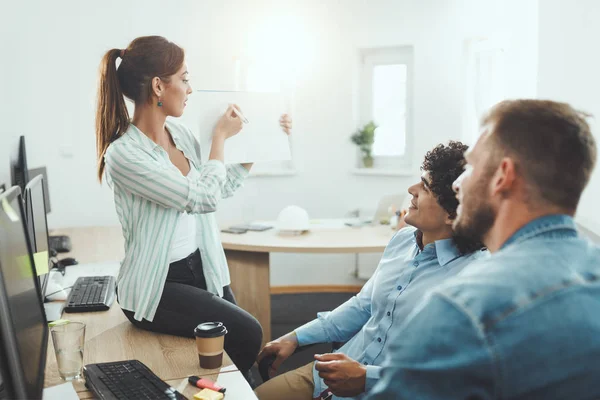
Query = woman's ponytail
x=112 y=117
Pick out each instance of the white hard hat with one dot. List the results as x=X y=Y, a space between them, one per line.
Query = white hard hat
x=293 y=219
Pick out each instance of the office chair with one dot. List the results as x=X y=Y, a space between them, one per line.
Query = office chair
x=265 y=364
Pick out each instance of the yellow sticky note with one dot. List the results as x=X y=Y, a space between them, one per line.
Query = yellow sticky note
x=12 y=215
x=58 y=322
x=207 y=394
x=24 y=265
x=41 y=264
x=40 y=260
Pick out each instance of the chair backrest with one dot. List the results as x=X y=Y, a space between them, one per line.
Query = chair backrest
x=265 y=364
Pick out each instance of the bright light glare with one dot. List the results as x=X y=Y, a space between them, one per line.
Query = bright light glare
x=280 y=51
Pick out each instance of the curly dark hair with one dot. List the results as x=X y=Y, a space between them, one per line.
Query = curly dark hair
x=445 y=163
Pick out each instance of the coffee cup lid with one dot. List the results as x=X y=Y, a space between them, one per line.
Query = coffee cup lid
x=210 y=330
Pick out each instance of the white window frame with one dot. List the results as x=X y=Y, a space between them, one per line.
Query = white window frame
x=369 y=59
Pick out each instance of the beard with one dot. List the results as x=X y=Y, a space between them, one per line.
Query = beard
x=477 y=215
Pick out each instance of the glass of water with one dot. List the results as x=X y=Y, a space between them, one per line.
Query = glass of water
x=68 y=342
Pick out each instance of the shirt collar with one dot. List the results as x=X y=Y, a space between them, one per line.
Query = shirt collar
x=444 y=249
x=541 y=226
x=140 y=138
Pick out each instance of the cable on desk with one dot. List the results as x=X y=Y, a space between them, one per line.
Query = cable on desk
x=58 y=291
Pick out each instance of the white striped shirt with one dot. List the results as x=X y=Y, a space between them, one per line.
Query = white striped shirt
x=150 y=193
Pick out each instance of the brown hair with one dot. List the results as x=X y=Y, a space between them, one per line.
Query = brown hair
x=145 y=58
x=553 y=147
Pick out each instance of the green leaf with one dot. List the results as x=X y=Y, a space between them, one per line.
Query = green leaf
x=365 y=137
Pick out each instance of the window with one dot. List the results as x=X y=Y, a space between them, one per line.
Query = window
x=386 y=98
x=485 y=83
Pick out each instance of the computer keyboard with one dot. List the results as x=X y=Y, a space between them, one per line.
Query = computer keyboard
x=129 y=379
x=91 y=293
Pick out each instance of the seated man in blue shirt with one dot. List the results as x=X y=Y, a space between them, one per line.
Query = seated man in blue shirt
x=416 y=259
x=525 y=322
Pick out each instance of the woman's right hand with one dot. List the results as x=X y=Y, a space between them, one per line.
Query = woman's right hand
x=229 y=124
x=281 y=348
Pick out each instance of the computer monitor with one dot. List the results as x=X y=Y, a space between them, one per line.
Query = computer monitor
x=386 y=205
x=37 y=228
x=23 y=326
x=42 y=171
x=20 y=173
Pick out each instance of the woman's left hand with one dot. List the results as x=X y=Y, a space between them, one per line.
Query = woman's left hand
x=286 y=123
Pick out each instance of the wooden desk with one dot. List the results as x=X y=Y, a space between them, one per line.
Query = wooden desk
x=111 y=337
x=94 y=244
x=247 y=255
x=249 y=266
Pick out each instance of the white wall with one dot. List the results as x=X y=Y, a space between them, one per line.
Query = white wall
x=61 y=43
x=10 y=101
x=568 y=71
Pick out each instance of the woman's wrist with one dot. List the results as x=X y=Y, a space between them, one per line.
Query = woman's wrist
x=219 y=135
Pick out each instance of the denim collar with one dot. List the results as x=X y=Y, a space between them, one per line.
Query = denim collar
x=544 y=226
x=444 y=249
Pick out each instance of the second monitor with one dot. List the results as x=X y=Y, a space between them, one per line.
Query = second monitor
x=90 y=293
x=37 y=227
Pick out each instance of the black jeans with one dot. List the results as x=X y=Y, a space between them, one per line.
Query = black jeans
x=185 y=303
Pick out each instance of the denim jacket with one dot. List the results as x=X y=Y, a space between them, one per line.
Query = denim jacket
x=521 y=324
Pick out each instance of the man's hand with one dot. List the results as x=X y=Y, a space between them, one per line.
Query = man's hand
x=344 y=376
x=282 y=348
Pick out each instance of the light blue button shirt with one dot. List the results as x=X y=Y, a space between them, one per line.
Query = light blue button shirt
x=367 y=320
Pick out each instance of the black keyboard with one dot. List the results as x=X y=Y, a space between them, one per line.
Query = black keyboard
x=128 y=379
x=91 y=293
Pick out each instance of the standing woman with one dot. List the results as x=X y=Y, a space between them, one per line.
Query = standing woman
x=174 y=274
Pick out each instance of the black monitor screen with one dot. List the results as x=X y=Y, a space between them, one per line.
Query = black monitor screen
x=37 y=225
x=24 y=331
x=20 y=173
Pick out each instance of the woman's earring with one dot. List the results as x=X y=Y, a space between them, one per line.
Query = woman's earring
x=159 y=103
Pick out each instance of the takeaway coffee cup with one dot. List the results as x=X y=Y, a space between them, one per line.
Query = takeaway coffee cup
x=210 y=337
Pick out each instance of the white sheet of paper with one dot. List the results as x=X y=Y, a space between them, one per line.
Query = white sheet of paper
x=65 y=391
x=236 y=386
x=261 y=139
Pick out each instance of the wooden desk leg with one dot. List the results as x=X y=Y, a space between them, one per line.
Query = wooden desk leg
x=251 y=285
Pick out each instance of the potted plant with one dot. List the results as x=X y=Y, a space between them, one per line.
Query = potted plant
x=364 y=139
